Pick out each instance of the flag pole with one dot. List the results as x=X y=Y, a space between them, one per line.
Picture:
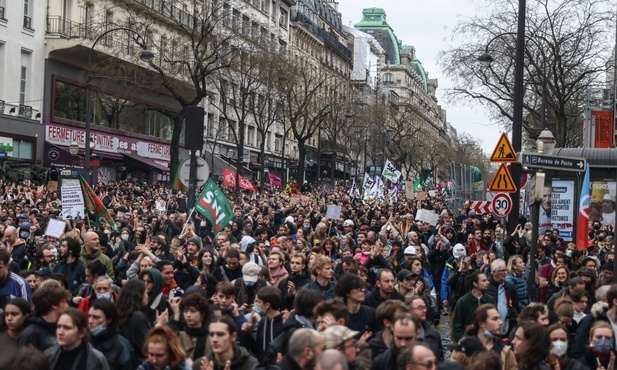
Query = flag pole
x=188 y=219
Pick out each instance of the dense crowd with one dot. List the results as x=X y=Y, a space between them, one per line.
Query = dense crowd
x=284 y=287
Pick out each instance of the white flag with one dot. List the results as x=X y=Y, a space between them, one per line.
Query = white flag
x=377 y=192
x=393 y=194
x=367 y=185
x=354 y=192
x=390 y=173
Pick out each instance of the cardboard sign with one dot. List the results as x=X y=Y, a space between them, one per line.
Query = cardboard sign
x=421 y=195
x=427 y=216
x=333 y=212
x=409 y=194
x=55 y=228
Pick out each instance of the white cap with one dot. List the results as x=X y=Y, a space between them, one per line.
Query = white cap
x=410 y=250
x=608 y=196
x=459 y=251
x=348 y=223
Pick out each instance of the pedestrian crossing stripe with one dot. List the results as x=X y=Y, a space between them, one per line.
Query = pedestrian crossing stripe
x=503 y=181
x=503 y=151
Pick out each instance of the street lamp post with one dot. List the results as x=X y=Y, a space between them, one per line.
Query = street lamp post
x=517 y=117
x=145 y=55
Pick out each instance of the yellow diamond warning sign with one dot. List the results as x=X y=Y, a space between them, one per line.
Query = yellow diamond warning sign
x=503 y=151
x=503 y=181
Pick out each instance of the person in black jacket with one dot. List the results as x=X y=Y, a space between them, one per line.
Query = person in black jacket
x=405 y=333
x=49 y=300
x=298 y=277
x=266 y=312
x=504 y=294
x=305 y=346
x=103 y=325
x=383 y=290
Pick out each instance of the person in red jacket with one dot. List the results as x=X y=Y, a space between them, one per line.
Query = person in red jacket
x=103 y=289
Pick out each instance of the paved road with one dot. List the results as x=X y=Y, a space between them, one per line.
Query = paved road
x=444 y=329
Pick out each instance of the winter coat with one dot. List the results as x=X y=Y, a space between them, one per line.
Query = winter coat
x=432 y=338
x=97 y=255
x=522 y=292
x=598 y=313
x=116 y=349
x=267 y=331
x=242 y=360
x=95 y=359
x=38 y=333
x=374 y=299
x=463 y=311
x=511 y=299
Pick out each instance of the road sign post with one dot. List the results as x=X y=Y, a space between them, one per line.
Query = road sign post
x=550 y=162
x=502 y=205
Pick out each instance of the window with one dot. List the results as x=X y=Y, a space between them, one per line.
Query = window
x=235 y=20
x=246 y=25
x=22 y=149
x=283 y=16
x=268 y=140
x=274 y=12
x=278 y=143
x=387 y=78
x=23 y=77
x=254 y=30
x=250 y=137
x=27 y=14
x=2 y=64
x=210 y=129
x=2 y=9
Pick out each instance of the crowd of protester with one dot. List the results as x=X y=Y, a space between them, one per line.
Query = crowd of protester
x=284 y=287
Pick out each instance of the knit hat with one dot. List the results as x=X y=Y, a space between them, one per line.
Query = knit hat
x=336 y=335
x=468 y=345
x=196 y=240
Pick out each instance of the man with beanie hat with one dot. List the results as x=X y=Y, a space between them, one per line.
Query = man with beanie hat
x=193 y=246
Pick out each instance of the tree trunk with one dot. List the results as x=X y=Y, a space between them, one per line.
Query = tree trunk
x=262 y=155
x=301 y=156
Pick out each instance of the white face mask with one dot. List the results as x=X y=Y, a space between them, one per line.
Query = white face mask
x=124 y=236
x=559 y=348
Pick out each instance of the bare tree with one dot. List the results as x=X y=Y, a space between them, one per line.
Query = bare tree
x=191 y=40
x=304 y=103
x=565 y=49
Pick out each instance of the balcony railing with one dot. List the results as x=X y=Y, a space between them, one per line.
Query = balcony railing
x=27 y=22
x=2 y=105
x=25 y=110
x=2 y=12
x=57 y=25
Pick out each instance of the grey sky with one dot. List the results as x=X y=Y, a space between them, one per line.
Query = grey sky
x=427 y=26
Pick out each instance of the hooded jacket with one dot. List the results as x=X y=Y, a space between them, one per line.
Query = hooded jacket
x=94 y=358
x=267 y=331
x=157 y=301
x=38 y=333
x=242 y=360
x=598 y=313
x=299 y=281
x=116 y=349
x=97 y=255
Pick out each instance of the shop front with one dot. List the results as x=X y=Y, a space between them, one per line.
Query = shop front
x=114 y=157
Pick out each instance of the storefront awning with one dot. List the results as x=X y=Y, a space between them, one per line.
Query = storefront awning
x=220 y=165
x=96 y=153
x=148 y=162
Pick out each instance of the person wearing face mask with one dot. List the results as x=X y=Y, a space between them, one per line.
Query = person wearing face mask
x=103 y=289
x=600 y=354
x=269 y=320
x=103 y=325
x=247 y=287
x=486 y=326
x=558 y=357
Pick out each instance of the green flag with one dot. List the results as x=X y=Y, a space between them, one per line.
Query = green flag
x=213 y=205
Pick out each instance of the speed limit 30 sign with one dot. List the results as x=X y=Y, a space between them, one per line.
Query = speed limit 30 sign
x=502 y=204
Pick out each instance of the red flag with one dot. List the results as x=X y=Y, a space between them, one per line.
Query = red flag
x=229 y=179
x=274 y=180
x=582 y=229
x=93 y=204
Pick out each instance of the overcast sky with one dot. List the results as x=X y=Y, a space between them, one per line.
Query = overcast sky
x=426 y=25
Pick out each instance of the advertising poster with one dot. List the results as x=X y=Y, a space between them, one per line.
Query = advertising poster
x=562 y=208
x=602 y=202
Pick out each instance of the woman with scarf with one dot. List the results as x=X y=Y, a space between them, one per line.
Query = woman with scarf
x=601 y=352
x=558 y=357
x=486 y=326
x=191 y=317
x=73 y=350
x=157 y=301
x=103 y=325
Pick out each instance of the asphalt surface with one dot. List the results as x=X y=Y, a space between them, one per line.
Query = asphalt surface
x=444 y=330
